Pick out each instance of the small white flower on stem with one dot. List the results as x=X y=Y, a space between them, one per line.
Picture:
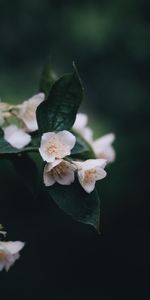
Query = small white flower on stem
x=56 y=145
x=60 y=171
x=16 y=136
x=27 y=111
x=103 y=147
x=81 y=121
x=81 y=127
x=9 y=252
x=89 y=172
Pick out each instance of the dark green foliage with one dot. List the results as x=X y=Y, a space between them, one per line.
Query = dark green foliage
x=76 y=202
x=59 y=111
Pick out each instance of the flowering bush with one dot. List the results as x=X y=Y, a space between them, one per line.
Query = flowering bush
x=49 y=123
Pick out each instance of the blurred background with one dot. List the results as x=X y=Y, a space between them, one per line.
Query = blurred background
x=110 y=43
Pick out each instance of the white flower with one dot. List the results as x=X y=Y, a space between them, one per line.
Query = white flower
x=16 y=136
x=9 y=252
x=81 y=127
x=27 y=111
x=89 y=172
x=103 y=147
x=60 y=171
x=81 y=121
x=56 y=145
x=87 y=134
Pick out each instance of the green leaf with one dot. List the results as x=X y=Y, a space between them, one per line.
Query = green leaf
x=73 y=200
x=6 y=148
x=48 y=77
x=59 y=111
x=82 y=149
x=36 y=139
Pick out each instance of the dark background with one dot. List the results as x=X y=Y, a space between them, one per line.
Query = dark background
x=110 y=43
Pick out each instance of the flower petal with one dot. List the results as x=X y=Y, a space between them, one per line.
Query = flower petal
x=81 y=121
x=87 y=186
x=67 y=176
x=107 y=139
x=16 y=136
x=28 y=111
x=91 y=163
x=48 y=175
x=103 y=148
x=56 y=145
x=67 y=139
x=45 y=140
x=47 y=136
x=14 y=247
x=48 y=178
x=87 y=134
x=59 y=171
x=9 y=252
x=2 y=265
x=100 y=173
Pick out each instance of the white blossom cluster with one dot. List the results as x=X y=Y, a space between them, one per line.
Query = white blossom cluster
x=55 y=150
x=56 y=146
x=19 y=137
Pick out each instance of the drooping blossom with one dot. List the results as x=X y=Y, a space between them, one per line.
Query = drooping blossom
x=9 y=253
x=89 y=172
x=60 y=171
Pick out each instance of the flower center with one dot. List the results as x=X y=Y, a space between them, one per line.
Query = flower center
x=52 y=148
x=59 y=170
x=88 y=175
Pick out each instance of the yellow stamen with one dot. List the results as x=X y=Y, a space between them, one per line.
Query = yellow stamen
x=88 y=175
x=59 y=170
